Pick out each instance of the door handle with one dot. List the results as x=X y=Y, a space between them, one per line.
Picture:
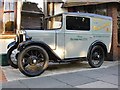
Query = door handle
x=91 y=36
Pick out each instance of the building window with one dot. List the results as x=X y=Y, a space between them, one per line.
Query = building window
x=101 y=9
x=1 y=17
x=9 y=17
x=50 y=7
x=77 y=23
x=97 y=9
x=118 y=26
x=79 y=9
x=90 y=9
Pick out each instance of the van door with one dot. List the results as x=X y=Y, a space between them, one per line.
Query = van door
x=49 y=36
x=77 y=34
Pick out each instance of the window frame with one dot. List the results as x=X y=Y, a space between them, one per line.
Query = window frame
x=79 y=30
x=94 y=8
x=14 y=11
x=52 y=17
x=101 y=7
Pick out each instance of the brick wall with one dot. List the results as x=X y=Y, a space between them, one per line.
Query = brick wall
x=112 y=11
x=119 y=53
x=1 y=26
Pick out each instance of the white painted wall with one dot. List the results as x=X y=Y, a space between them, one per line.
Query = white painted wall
x=58 y=8
x=3 y=45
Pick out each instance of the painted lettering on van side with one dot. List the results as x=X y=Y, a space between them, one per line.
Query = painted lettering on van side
x=77 y=38
x=103 y=26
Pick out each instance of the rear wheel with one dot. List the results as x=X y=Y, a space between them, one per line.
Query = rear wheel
x=33 y=61
x=96 y=56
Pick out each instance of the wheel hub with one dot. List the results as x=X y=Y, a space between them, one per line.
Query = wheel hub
x=33 y=60
x=96 y=56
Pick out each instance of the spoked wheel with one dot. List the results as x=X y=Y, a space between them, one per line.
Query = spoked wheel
x=96 y=57
x=12 y=56
x=33 y=61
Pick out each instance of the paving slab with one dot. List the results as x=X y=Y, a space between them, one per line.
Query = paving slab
x=65 y=76
x=2 y=76
x=73 y=79
x=45 y=82
x=107 y=71
x=110 y=79
x=14 y=84
x=91 y=74
x=108 y=75
x=98 y=84
x=64 y=86
x=0 y=85
x=54 y=69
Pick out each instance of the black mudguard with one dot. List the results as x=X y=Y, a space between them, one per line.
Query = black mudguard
x=14 y=43
x=50 y=52
x=97 y=43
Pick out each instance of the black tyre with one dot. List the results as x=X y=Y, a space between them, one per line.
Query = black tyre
x=33 y=61
x=12 y=57
x=96 y=56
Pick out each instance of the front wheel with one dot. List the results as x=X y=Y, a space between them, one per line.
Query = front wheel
x=96 y=56
x=33 y=61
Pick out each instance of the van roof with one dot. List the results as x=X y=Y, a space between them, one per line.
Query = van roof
x=87 y=14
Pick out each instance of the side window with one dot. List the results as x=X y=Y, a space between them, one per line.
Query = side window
x=77 y=23
x=54 y=22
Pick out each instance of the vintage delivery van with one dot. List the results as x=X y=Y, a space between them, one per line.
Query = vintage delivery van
x=67 y=37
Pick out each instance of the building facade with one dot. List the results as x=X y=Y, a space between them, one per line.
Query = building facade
x=107 y=7
x=53 y=7
x=15 y=15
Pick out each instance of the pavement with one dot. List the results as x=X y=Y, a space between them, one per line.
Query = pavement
x=68 y=75
x=2 y=76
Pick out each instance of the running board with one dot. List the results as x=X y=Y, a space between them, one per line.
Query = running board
x=71 y=60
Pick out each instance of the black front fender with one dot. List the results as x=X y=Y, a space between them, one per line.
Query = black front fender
x=14 y=43
x=50 y=52
x=24 y=44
